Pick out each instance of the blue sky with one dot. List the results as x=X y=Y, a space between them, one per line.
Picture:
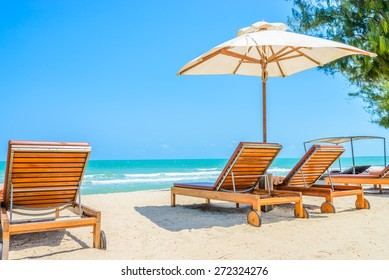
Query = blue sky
x=105 y=72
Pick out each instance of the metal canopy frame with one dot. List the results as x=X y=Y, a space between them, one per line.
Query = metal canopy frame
x=344 y=139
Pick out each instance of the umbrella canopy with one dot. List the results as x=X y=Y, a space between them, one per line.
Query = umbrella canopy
x=268 y=49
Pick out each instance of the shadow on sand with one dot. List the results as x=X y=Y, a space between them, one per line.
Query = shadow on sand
x=200 y=216
x=376 y=192
x=38 y=239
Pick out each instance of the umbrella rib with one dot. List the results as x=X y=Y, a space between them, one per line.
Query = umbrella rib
x=277 y=57
x=240 y=62
x=260 y=52
x=288 y=57
x=237 y=67
x=280 y=53
x=278 y=64
x=359 y=52
x=204 y=59
x=310 y=58
x=241 y=56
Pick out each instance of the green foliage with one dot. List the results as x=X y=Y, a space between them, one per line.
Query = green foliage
x=360 y=23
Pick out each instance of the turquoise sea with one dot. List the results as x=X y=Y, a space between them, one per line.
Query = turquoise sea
x=111 y=176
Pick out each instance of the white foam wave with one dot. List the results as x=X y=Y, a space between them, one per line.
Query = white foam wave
x=155 y=175
x=152 y=178
x=205 y=169
x=278 y=170
x=162 y=177
x=173 y=174
x=146 y=180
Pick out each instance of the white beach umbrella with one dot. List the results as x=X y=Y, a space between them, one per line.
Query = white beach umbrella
x=268 y=49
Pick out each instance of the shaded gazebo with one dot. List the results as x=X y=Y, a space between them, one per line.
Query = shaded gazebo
x=346 y=139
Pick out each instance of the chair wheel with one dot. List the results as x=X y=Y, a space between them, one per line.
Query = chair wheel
x=103 y=240
x=366 y=204
x=305 y=213
x=253 y=218
x=328 y=207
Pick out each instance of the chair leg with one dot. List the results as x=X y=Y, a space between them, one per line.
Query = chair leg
x=361 y=202
x=330 y=198
x=4 y=223
x=96 y=232
x=172 y=199
x=299 y=209
x=5 y=241
x=257 y=206
x=96 y=235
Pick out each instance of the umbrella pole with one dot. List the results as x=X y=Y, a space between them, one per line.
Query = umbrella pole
x=264 y=110
x=264 y=79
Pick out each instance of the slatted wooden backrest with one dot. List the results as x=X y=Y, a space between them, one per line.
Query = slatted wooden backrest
x=44 y=174
x=313 y=165
x=249 y=161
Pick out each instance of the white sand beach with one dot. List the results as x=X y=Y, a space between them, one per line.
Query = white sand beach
x=143 y=226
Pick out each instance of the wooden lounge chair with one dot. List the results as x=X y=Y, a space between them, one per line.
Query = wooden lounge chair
x=377 y=179
x=310 y=168
x=238 y=183
x=41 y=179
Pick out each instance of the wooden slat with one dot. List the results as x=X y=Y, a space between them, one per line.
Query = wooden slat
x=46 y=175
x=45 y=189
x=252 y=163
x=45 y=184
x=49 y=159
x=49 y=154
x=307 y=191
x=34 y=199
x=56 y=225
x=47 y=165
x=248 y=171
x=45 y=170
x=263 y=156
x=265 y=151
x=45 y=179
x=42 y=203
x=312 y=170
x=259 y=151
x=39 y=193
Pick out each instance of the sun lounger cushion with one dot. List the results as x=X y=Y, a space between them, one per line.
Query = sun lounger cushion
x=200 y=186
x=358 y=169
